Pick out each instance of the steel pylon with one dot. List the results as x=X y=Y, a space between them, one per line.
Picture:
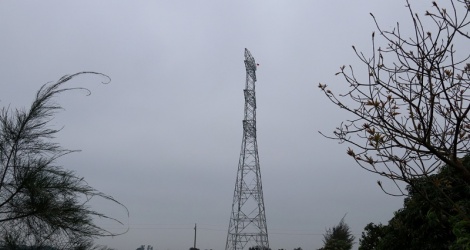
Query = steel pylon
x=247 y=227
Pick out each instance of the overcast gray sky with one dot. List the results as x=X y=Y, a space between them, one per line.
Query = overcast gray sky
x=164 y=136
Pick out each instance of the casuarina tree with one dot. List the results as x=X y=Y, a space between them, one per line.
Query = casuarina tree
x=42 y=203
x=338 y=237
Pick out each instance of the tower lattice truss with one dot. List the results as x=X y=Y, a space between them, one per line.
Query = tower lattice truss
x=247 y=226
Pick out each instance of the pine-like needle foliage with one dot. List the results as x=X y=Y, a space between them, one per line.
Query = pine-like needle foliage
x=42 y=204
x=338 y=238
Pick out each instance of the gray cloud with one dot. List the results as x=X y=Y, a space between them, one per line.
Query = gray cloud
x=164 y=136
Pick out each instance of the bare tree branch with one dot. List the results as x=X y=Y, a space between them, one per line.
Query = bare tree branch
x=411 y=113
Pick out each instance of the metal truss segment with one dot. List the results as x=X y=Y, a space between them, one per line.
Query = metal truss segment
x=247 y=227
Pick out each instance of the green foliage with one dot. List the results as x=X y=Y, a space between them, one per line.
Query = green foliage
x=42 y=204
x=435 y=215
x=461 y=230
x=371 y=236
x=338 y=238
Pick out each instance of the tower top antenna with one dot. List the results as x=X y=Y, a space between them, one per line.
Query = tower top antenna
x=250 y=64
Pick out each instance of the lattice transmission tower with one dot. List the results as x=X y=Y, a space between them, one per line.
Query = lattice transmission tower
x=247 y=227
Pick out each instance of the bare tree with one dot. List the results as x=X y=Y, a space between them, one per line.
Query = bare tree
x=42 y=204
x=411 y=114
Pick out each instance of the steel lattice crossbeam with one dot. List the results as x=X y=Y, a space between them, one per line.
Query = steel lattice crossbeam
x=247 y=226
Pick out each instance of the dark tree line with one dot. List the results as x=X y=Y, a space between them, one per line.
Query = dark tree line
x=422 y=225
